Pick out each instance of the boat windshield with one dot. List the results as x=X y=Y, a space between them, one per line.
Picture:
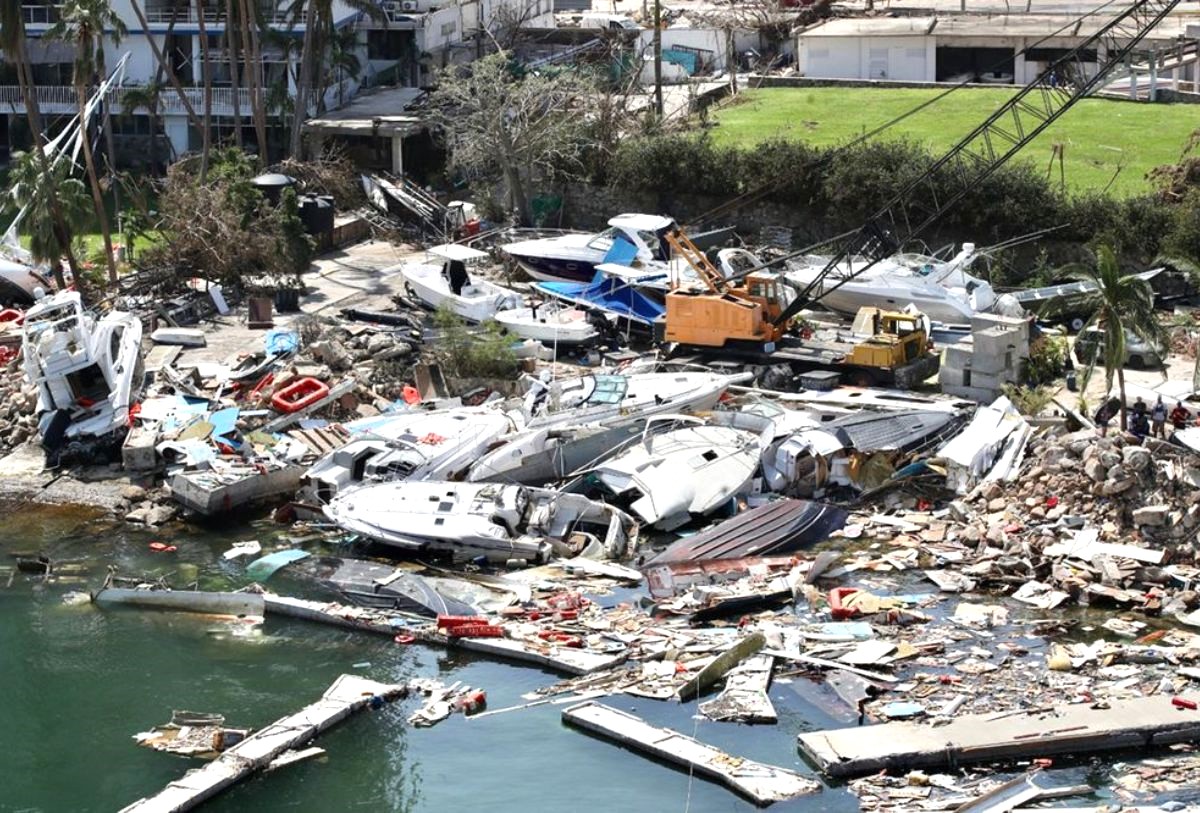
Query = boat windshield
x=610 y=389
x=603 y=240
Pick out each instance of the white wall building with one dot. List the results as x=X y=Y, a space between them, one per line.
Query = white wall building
x=417 y=37
x=1000 y=49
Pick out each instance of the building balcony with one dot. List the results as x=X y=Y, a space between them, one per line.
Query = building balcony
x=58 y=100
x=160 y=13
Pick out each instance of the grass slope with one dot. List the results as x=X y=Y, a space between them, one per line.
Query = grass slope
x=1099 y=136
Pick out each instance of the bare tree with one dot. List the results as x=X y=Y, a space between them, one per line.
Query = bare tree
x=497 y=123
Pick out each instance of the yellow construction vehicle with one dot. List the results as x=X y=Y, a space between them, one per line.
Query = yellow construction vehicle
x=747 y=319
x=895 y=338
x=724 y=311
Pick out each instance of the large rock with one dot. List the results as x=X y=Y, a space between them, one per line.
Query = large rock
x=160 y=514
x=134 y=493
x=1151 y=515
x=1135 y=458
x=138 y=515
x=1095 y=470
x=1117 y=486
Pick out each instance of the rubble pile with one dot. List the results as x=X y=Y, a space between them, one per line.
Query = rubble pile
x=18 y=409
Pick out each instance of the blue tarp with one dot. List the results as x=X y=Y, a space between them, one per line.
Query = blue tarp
x=281 y=342
x=622 y=252
x=609 y=295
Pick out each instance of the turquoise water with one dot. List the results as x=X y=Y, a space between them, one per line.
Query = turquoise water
x=77 y=682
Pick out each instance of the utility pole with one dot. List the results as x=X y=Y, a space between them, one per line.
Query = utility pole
x=658 y=102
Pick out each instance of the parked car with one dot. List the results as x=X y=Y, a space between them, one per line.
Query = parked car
x=1138 y=353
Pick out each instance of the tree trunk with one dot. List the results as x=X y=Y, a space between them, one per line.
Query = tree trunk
x=110 y=156
x=1121 y=390
x=232 y=53
x=206 y=72
x=25 y=79
x=193 y=119
x=516 y=188
x=94 y=182
x=658 y=96
x=254 y=66
x=304 y=85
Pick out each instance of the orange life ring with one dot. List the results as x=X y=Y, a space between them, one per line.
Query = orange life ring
x=299 y=394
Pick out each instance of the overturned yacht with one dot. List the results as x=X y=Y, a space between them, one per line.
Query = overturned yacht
x=690 y=469
x=499 y=522
x=87 y=371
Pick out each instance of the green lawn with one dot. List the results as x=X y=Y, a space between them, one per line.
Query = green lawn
x=1100 y=136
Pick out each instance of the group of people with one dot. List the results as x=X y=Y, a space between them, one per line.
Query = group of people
x=1145 y=422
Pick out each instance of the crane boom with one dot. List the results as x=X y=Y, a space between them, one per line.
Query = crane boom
x=985 y=149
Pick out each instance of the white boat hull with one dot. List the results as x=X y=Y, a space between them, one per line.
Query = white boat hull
x=548 y=324
x=477 y=302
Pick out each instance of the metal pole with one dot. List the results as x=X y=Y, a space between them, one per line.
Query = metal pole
x=658 y=100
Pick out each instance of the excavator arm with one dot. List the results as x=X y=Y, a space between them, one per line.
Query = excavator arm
x=984 y=150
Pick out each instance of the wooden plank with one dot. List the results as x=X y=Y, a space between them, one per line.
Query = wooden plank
x=756 y=780
x=348 y=694
x=561 y=659
x=1137 y=723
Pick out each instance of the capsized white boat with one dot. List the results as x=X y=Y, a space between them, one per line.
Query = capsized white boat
x=500 y=522
x=87 y=371
x=407 y=446
x=445 y=280
x=598 y=398
x=940 y=289
x=685 y=471
x=549 y=322
x=550 y=454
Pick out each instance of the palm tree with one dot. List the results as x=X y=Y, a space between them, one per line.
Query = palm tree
x=1124 y=305
x=233 y=56
x=319 y=30
x=13 y=43
x=27 y=188
x=248 y=14
x=343 y=61
x=206 y=72
x=84 y=23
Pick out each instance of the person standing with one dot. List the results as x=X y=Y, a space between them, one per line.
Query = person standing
x=1158 y=419
x=1180 y=417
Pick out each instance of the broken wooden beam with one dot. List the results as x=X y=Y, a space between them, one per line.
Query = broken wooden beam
x=757 y=781
x=348 y=694
x=1077 y=729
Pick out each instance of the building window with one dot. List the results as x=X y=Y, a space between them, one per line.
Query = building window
x=449 y=28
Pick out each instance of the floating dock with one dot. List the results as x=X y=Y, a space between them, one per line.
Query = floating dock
x=193 y=601
x=348 y=694
x=565 y=660
x=757 y=781
x=1138 y=723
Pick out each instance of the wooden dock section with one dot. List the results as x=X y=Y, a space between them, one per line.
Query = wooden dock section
x=1138 y=723
x=562 y=659
x=757 y=781
x=348 y=694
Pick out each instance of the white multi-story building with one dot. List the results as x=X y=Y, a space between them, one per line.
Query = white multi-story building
x=413 y=38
